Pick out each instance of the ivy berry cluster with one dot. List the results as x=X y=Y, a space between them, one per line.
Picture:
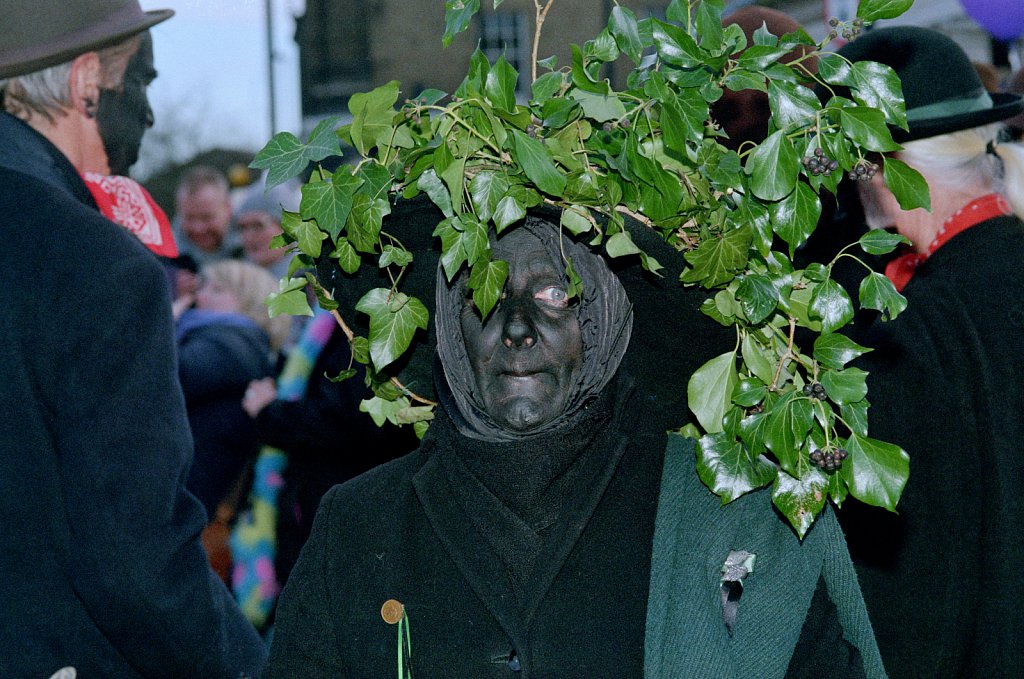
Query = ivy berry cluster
x=828 y=460
x=819 y=163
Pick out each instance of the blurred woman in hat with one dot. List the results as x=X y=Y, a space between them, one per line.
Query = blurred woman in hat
x=940 y=577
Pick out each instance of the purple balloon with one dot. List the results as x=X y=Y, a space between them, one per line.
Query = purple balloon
x=1004 y=19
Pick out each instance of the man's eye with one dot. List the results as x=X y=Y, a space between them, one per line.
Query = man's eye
x=553 y=296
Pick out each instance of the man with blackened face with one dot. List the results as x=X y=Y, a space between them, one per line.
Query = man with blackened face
x=123 y=112
x=94 y=436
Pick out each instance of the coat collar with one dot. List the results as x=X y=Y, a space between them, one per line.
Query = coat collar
x=25 y=150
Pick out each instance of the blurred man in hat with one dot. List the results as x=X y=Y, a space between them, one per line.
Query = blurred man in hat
x=940 y=578
x=101 y=569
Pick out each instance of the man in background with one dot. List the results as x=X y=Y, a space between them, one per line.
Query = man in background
x=203 y=213
x=102 y=573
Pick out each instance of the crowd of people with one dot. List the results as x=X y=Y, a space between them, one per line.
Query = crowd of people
x=189 y=493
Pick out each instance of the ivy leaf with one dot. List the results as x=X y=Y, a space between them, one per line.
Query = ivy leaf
x=474 y=239
x=599 y=107
x=856 y=416
x=329 y=203
x=709 y=391
x=323 y=140
x=845 y=386
x=582 y=78
x=457 y=15
x=755 y=357
x=749 y=392
x=576 y=219
x=290 y=299
x=723 y=466
x=876 y=471
x=675 y=46
x=773 y=167
x=283 y=157
x=621 y=245
x=757 y=296
x=881 y=242
x=709 y=24
x=836 y=70
x=716 y=260
x=392 y=255
x=309 y=237
x=430 y=184
x=877 y=85
x=546 y=86
x=487 y=279
x=907 y=185
x=536 y=162
x=873 y=10
x=791 y=104
x=508 y=211
x=372 y=115
x=796 y=217
x=834 y=350
x=453 y=254
x=800 y=500
x=500 y=85
x=878 y=292
x=831 y=305
x=366 y=220
x=348 y=259
x=788 y=423
x=486 y=190
x=622 y=24
x=394 y=318
x=866 y=127
x=382 y=410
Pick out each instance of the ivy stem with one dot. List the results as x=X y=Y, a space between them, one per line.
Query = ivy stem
x=469 y=128
x=541 y=15
x=351 y=336
x=788 y=355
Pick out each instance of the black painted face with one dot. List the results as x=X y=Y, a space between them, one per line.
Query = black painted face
x=124 y=114
x=526 y=356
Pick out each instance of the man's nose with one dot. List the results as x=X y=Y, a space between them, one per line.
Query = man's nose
x=518 y=329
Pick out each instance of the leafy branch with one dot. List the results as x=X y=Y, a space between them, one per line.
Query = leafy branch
x=765 y=412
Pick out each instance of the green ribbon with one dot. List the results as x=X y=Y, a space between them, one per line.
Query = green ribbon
x=952 y=107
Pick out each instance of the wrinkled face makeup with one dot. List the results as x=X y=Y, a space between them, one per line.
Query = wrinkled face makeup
x=123 y=114
x=526 y=355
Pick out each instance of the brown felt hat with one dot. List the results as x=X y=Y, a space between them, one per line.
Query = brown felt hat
x=37 y=34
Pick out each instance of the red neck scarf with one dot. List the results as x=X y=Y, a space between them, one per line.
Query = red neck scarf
x=125 y=202
x=901 y=269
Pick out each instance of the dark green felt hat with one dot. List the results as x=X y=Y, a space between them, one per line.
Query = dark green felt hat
x=942 y=90
x=37 y=34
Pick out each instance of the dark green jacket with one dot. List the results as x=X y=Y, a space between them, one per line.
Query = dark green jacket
x=693 y=536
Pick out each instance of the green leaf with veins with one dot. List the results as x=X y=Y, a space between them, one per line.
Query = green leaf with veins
x=831 y=305
x=394 y=318
x=716 y=260
x=878 y=292
x=537 y=164
x=709 y=391
x=876 y=471
x=845 y=386
x=486 y=280
x=457 y=15
x=773 y=167
x=834 y=350
x=907 y=185
x=800 y=499
x=725 y=468
x=289 y=299
x=622 y=24
x=881 y=242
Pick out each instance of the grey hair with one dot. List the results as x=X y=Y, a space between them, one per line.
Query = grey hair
x=48 y=91
x=972 y=158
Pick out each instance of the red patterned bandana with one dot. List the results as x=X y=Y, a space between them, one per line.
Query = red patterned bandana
x=901 y=269
x=125 y=202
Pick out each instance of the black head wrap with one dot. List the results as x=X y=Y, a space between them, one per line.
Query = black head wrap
x=605 y=317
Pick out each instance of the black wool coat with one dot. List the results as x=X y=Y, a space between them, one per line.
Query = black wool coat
x=217 y=360
x=940 y=578
x=101 y=567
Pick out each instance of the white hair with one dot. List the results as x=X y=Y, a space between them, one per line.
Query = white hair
x=972 y=159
